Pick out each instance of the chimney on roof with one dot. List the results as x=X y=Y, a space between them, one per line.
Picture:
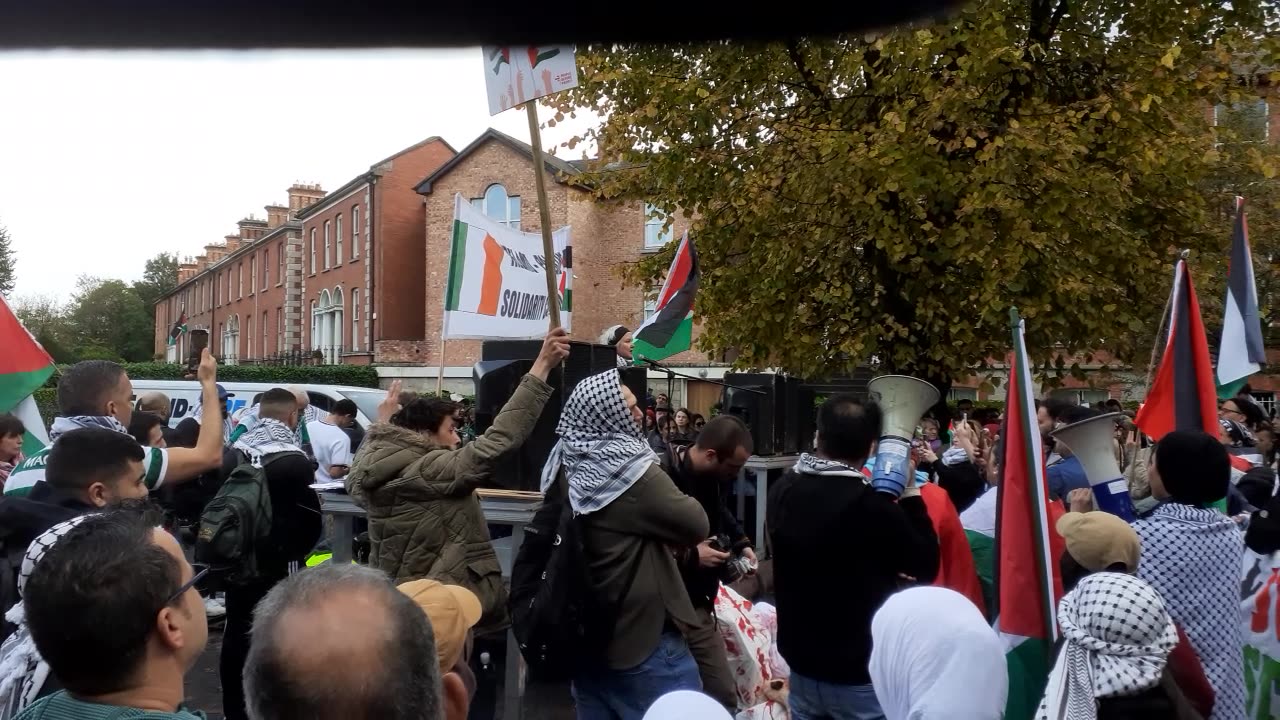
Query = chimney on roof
x=233 y=243
x=215 y=253
x=187 y=270
x=303 y=194
x=251 y=229
x=277 y=215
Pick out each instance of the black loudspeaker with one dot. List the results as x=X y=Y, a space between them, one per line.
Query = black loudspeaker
x=504 y=362
x=778 y=410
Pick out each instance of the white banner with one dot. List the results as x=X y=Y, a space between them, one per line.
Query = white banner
x=515 y=74
x=497 y=285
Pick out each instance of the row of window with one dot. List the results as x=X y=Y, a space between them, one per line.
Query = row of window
x=498 y=205
x=230 y=334
x=212 y=292
x=329 y=246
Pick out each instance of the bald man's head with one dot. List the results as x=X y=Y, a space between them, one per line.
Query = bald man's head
x=156 y=403
x=301 y=396
x=312 y=629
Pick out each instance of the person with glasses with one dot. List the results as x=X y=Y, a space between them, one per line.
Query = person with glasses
x=111 y=608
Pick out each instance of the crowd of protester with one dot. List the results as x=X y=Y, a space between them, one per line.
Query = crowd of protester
x=883 y=604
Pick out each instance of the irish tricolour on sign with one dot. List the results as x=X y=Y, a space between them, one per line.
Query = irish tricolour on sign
x=497 y=284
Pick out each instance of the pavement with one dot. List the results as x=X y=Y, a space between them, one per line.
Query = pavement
x=542 y=701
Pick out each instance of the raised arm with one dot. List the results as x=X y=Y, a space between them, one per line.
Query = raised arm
x=187 y=463
x=473 y=464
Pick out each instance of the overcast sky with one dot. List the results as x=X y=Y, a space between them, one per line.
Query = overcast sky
x=107 y=159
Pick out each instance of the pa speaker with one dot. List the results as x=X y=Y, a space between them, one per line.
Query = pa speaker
x=504 y=362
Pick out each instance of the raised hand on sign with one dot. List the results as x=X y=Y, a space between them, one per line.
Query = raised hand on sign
x=555 y=348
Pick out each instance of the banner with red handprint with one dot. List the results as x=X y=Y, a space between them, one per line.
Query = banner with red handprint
x=517 y=74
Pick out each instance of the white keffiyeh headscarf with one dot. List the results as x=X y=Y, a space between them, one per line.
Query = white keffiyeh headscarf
x=1118 y=638
x=22 y=671
x=67 y=424
x=933 y=655
x=601 y=448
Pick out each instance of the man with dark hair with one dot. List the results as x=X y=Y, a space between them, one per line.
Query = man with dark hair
x=338 y=642
x=837 y=540
x=148 y=429
x=702 y=471
x=86 y=469
x=1068 y=474
x=97 y=393
x=111 y=607
x=272 y=443
x=330 y=442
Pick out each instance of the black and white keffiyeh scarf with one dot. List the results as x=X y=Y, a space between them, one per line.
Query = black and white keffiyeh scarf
x=267 y=436
x=1118 y=638
x=22 y=671
x=1192 y=557
x=601 y=448
x=197 y=413
x=809 y=464
x=67 y=424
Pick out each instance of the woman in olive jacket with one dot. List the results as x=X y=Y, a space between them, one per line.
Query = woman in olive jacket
x=418 y=487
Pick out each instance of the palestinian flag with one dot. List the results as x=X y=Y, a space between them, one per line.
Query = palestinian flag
x=1028 y=585
x=24 y=367
x=179 y=327
x=1241 y=352
x=1183 y=396
x=670 y=329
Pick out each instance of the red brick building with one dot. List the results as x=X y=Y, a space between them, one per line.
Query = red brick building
x=495 y=174
x=242 y=296
x=362 y=260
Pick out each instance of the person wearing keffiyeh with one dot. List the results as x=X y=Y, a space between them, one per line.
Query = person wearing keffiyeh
x=97 y=393
x=631 y=517
x=1117 y=636
x=1192 y=555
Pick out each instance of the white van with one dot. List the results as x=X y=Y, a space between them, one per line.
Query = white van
x=184 y=396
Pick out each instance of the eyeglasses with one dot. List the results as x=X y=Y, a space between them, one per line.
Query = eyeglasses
x=200 y=572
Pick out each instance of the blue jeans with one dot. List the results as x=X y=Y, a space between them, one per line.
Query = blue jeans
x=626 y=694
x=817 y=700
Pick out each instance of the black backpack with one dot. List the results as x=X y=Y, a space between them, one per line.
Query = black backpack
x=237 y=523
x=558 y=622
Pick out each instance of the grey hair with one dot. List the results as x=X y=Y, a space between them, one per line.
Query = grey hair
x=405 y=686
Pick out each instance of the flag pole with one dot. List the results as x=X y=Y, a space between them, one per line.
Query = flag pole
x=1168 y=305
x=440 y=370
x=544 y=214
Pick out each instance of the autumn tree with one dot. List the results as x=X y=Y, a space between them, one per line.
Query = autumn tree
x=886 y=198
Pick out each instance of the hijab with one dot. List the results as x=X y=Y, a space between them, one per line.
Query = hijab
x=1118 y=636
x=601 y=448
x=933 y=655
x=686 y=705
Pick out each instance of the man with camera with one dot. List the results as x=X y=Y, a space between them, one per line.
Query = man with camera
x=702 y=471
x=840 y=548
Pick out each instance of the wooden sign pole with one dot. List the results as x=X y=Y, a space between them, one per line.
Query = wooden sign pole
x=544 y=213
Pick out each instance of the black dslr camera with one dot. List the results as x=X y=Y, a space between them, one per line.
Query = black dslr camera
x=738 y=564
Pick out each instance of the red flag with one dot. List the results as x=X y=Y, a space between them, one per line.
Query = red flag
x=1184 y=394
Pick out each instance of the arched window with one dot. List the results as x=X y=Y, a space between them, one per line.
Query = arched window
x=328 y=250
x=337 y=240
x=355 y=319
x=500 y=206
x=335 y=318
x=355 y=231
x=313 y=251
x=315 y=327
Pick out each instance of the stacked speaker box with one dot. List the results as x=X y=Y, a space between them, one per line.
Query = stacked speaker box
x=778 y=409
x=504 y=362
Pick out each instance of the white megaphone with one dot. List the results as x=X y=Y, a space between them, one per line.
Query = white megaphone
x=1092 y=441
x=903 y=401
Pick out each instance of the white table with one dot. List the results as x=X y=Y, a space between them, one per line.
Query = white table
x=498 y=510
x=760 y=466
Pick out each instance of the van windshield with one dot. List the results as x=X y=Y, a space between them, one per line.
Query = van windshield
x=367 y=401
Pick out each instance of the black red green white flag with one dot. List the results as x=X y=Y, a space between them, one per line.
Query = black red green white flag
x=1028 y=584
x=1241 y=352
x=1184 y=395
x=669 y=330
x=179 y=327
